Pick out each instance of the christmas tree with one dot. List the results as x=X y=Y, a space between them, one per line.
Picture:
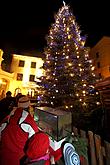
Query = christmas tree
x=68 y=72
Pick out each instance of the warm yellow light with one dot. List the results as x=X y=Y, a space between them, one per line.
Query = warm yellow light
x=69 y=36
x=70 y=64
x=82 y=43
x=47 y=77
x=67 y=57
x=71 y=74
x=73 y=21
x=63 y=19
x=52 y=103
x=90 y=61
x=84 y=85
x=83 y=91
x=98 y=103
x=92 y=86
x=86 y=55
x=84 y=103
x=93 y=74
x=93 y=68
x=68 y=29
x=57 y=21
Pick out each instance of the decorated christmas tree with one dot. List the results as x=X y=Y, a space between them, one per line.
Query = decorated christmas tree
x=68 y=72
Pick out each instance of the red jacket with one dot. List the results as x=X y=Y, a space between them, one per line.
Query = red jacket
x=14 y=133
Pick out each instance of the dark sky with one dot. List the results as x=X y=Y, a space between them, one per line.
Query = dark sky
x=23 y=26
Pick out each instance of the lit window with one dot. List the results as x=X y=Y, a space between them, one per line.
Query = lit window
x=33 y=64
x=19 y=76
x=32 y=78
x=21 y=63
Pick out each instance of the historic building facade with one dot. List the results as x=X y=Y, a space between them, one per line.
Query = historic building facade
x=100 y=54
x=23 y=74
x=5 y=78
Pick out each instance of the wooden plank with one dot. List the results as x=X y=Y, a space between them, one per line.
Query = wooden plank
x=92 y=148
x=103 y=151
x=83 y=135
x=107 y=152
x=98 y=149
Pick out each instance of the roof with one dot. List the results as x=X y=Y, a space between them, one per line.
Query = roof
x=102 y=40
x=34 y=54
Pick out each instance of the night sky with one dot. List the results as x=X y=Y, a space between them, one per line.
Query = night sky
x=23 y=26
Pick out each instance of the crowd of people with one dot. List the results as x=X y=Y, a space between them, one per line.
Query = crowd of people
x=21 y=141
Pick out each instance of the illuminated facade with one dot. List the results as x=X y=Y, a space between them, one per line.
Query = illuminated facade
x=22 y=77
x=26 y=69
x=100 y=54
x=5 y=78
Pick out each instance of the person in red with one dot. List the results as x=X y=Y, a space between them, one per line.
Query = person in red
x=39 y=152
x=15 y=130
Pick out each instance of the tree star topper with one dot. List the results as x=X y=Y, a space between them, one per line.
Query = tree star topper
x=64 y=3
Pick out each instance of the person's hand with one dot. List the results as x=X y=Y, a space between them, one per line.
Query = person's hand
x=52 y=161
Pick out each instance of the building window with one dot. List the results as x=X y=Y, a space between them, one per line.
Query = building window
x=32 y=78
x=19 y=76
x=21 y=63
x=98 y=65
x=97 y=55
x=33 y=64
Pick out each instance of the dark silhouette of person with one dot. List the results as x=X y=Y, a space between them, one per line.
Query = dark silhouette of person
x=6 y=105
x=17 y=97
